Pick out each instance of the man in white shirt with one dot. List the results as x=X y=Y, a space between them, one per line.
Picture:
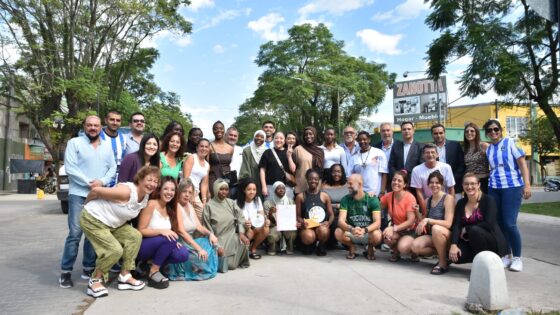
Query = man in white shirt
x=386 y=143
x=371 y=163
x=420 y=173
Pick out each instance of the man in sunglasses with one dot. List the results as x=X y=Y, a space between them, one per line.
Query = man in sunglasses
x=137 y=124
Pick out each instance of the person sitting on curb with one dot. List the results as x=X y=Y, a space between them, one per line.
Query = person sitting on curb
x=359 y=219
x=103 y=221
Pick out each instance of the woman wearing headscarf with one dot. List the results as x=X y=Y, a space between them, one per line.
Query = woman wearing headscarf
x=251 y=158
x=225 y=220
x=278 y=197
x=306 y=156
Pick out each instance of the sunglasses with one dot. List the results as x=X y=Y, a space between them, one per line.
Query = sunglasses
x=495 y=129
x=138 y=121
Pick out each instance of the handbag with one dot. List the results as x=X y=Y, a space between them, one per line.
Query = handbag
x=230 y=177
x=288 y=178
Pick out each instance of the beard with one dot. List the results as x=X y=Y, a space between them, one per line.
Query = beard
x=92 y=138
x=353 y=191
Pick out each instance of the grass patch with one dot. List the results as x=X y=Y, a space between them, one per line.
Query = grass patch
x=546 y=208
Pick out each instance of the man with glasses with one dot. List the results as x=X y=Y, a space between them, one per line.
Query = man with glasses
x=350 y=147
x=137 y=123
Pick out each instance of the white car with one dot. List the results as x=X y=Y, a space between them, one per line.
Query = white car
x=62 y=191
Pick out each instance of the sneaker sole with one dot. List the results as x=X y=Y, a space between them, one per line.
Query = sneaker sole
x=84 y=277
x=98 y=294
x=128 y=286
x=65 y=286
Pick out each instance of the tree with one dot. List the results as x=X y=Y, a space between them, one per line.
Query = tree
x=77 y=55
x=168 y=106
x=310 y=80
x=516 y=59
x=542 y=137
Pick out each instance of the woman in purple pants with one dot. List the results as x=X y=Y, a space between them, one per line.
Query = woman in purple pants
x=159 y=242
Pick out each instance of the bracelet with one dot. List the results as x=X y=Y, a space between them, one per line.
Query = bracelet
x=366 y=228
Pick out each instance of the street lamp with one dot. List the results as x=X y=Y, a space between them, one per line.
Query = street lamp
x=438 y=103
x=337 y=97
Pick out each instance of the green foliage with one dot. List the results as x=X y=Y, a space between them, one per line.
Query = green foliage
x=166 y=109
x=542 y=137
x=513 y=54
x=77 y=56
x=310 y=80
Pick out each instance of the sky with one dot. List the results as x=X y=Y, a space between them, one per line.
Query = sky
x=213 y=70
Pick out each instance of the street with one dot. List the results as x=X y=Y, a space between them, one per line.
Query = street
x=34 y=230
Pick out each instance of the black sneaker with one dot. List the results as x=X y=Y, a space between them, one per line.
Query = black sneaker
x=86 y=274
x=66 y=280
x=321 y=250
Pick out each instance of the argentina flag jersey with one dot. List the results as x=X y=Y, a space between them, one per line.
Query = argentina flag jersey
x=504 y=171
x=118 y=145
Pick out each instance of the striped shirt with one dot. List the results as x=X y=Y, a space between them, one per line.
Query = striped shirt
x=118 y=145
x=504 y=171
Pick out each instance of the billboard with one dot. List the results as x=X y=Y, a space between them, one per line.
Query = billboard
x=417 y=100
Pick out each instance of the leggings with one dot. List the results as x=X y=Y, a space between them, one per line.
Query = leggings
x=479 y=240
x=162 y=251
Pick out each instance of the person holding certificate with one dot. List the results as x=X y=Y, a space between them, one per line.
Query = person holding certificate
x=314 y=214
x=256 y=223
x=359 y=219
x=278 y=198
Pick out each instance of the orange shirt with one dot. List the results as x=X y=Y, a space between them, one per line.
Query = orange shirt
x=406 y=204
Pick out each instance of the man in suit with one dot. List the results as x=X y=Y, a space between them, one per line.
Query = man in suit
x=386 y=143
x=405 y=154
x=450 y=152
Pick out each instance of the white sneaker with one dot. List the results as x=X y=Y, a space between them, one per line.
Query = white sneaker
x=506 y=261
x=516 y=264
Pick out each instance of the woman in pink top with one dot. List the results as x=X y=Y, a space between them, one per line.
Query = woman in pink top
x=402 y=209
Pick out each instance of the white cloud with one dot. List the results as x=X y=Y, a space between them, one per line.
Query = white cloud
x=380 y=43
x=222 y=16
x=183 y=41
x=218 y=49
x=267 y=27
x=179 y=40
x=334 y=7
x=404 y=11
x=199 y=4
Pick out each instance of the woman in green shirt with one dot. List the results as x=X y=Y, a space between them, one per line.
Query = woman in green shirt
x=171 y=156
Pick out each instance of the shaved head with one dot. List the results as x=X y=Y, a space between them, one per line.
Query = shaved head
x=355 y=185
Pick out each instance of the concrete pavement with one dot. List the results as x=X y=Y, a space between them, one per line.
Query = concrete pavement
x=33 y=233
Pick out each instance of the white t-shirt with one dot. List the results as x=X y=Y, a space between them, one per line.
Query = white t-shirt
x=236 y=159
x=371 y=165
x=421 y=172
x=115 y=214
x=251 y=209
x=333 y=156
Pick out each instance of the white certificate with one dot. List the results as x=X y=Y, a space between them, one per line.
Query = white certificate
x=286 y=218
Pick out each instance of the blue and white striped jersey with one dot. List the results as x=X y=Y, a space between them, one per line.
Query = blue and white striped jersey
x=504 y=172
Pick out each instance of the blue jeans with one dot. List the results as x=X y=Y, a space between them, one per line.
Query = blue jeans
x=508 y=202
x=72 y=244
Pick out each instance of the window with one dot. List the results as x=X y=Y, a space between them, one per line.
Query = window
x=516 y=126
x=24 y=131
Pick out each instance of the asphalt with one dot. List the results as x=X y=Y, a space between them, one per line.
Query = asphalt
x=32 y=237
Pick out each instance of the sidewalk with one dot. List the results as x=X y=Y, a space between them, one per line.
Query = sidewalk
x=334 y=285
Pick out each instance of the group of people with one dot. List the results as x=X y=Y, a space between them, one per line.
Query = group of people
x=180 y=207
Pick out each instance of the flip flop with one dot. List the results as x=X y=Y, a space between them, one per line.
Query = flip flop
x=439 y=270
x=351 y=256
x=369 y=257
x=254 y=256
x=395 y=258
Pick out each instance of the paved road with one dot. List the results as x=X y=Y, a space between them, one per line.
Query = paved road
x=33 y=234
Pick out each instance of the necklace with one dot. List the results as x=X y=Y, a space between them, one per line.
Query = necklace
x=361 y=158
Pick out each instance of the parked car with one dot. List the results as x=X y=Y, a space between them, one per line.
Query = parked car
x=62 y=189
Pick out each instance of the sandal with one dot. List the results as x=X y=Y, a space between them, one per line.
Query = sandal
x=414 y=258
x=254 y=255
x=100 y=291
x=125 y=284
x=158 y=280
x=439 y=270
x=351 y=256
x=369 y=256
x=395 y=257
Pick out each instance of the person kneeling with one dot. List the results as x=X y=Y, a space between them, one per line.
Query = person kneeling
x=104 y=223
x=359 y=219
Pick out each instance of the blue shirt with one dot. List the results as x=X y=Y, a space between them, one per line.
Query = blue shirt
x=84 y=163
x=349 y=165
x=504 y=171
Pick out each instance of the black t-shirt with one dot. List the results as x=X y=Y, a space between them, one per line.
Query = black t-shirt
x=273 y=172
